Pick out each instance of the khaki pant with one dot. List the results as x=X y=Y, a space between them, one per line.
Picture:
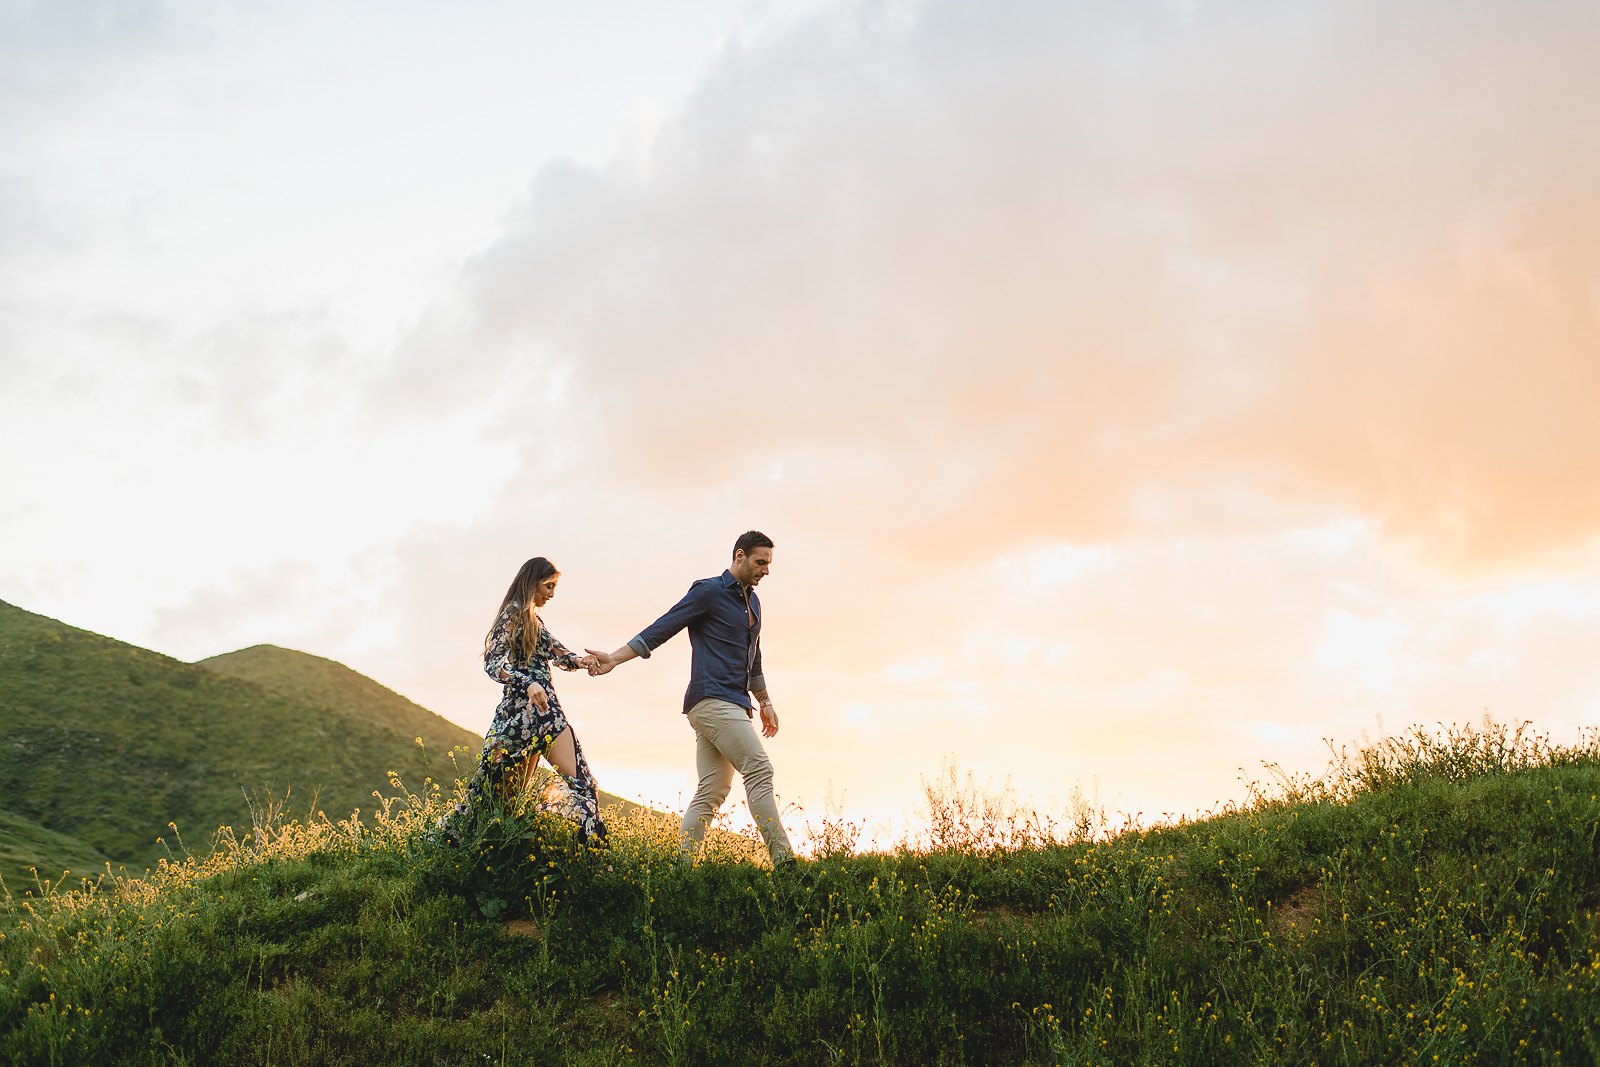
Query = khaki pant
x=725 y=741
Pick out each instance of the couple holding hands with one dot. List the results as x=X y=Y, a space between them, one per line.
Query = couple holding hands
x=723 y=617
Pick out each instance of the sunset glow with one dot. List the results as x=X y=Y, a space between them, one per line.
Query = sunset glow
x=1136 y=393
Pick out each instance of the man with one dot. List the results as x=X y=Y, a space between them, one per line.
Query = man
x=723 y=615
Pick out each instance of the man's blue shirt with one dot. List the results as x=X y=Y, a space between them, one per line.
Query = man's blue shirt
x=727 y=649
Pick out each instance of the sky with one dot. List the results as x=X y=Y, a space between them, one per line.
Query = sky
x=1139 y=395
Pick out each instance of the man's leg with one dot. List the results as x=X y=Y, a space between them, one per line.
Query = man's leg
x=716 y=778
x=736 y=741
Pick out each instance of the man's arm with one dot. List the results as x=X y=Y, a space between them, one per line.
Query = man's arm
x=769 y=716
x=656 y=634
x=758 y=686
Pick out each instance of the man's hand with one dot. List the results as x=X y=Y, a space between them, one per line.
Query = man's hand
x=769 y=721
x=605 y=662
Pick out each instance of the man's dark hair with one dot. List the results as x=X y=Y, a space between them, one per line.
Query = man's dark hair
x=751 y=539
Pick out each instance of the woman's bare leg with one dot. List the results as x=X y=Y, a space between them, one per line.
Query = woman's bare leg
x=567 y=758
x=561 y=754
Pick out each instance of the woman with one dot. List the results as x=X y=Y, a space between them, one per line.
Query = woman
x=528 y=723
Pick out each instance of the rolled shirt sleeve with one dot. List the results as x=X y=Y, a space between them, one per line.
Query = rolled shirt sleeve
x=758 y=677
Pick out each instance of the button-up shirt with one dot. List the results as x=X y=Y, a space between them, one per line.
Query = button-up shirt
x=726 y=643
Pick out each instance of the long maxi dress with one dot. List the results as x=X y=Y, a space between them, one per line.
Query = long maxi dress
x=521 y=731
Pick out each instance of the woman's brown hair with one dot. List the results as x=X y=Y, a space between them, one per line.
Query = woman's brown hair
x=524 y=634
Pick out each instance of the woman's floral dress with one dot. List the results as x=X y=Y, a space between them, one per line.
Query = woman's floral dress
x=521 y=730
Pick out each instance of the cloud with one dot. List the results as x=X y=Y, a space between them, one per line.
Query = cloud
x=1079 y=273
x=49 y=48
x=1217 y=325
x=1093 y=367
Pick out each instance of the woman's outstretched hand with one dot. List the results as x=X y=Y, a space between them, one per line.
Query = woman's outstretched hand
x=598 y=663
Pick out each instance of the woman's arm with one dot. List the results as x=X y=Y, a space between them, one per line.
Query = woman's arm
x=562 y=656
x=498 y=661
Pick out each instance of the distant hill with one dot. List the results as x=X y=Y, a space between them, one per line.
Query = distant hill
x=333 y=687
x=25 y=844
x=105 y=743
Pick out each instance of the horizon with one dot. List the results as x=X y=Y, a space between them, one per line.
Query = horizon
x=1136 y=395
x=958 y=791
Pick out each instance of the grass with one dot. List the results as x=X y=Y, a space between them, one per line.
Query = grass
x=1431 y=899
x=114 y=753
x=26 y=847
x=108 y=744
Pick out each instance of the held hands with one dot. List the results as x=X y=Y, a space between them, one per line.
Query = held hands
x=598 y=663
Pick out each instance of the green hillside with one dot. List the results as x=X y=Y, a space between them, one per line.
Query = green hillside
x=1430 y=901
x=333 y=687
x=25 y=845
x=107 y=743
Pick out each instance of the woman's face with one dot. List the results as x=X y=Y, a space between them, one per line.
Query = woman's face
x=545 y=590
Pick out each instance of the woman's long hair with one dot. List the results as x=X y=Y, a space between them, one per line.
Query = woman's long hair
x=524 y=634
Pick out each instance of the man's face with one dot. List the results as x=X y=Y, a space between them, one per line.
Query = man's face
x=749 y=568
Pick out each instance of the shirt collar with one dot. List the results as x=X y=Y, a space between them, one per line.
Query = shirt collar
x=730 y=582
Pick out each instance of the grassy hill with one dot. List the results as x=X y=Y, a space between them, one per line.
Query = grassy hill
x=25 y=846
x=1432 y=900
x=107 y=743
x=333 y=687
